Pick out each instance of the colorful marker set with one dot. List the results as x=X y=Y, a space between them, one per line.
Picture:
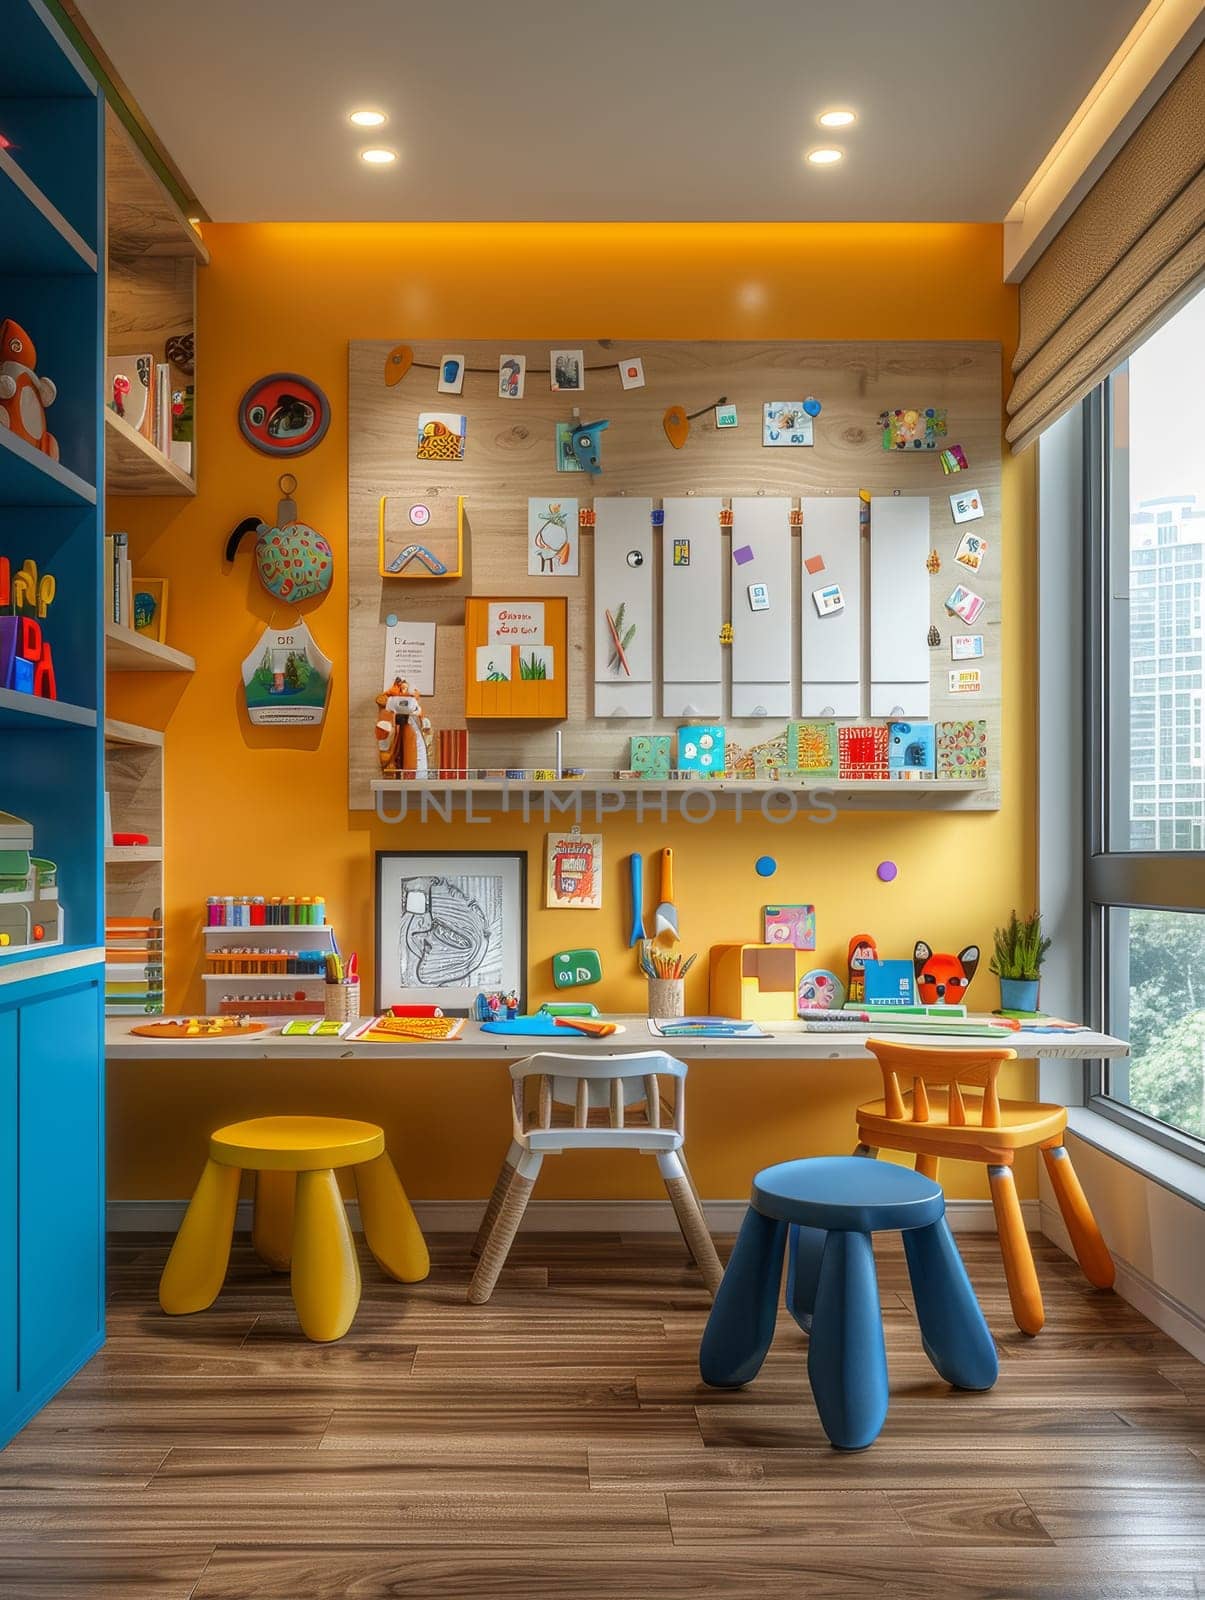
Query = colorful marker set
x=336 y=971
x=249 y=959
x=265 y=911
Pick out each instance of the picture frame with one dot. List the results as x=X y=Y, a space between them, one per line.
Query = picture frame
x=150 y=608
x=449 y=925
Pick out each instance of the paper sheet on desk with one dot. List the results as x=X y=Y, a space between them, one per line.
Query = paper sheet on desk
x=705 y=1028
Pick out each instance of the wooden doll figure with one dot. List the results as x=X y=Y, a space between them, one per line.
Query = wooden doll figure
x=862 y=949
x=401 y=747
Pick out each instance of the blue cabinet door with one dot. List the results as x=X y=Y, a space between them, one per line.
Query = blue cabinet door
x=8 y=1211
x=60 y=1196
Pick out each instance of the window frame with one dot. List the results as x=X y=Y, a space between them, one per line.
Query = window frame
x=1159 y=880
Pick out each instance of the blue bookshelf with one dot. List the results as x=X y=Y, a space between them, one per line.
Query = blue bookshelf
x=52 y=750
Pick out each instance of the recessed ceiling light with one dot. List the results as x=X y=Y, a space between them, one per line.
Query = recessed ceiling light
x=378 y=156
x=825 y=157
x=368 y=119
x=836 y=119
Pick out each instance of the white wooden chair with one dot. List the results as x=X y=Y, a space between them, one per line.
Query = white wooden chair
x=613 y=1102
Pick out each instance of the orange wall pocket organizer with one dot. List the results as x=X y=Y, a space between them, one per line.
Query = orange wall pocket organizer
x=501 y=650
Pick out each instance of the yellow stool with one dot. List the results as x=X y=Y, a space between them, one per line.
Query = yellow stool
x=300 y=1219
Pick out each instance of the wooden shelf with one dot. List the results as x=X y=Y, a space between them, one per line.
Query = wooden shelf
x=127 y=651
x=38 y=238
x=144 y=220
x=129 y=733
x=133 y=465
x=31 y=713
x=749 y=793
x=127 y=854
x=30 y=478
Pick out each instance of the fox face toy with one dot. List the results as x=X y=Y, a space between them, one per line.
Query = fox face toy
x=943 y=979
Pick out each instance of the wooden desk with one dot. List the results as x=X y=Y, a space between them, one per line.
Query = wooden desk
x=788 y=1042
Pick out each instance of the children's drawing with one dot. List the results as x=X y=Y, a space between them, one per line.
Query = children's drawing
x=812 y=748
x=536 y=663
x=911 y=750
x=862 y=751
x=493 y=663
x=971 y=551
x=286 y=678
x=966 y=507
x=621 y=638
x=962 y=750
x=794 y=926
x=552 y=538
x=441 y=436
x=912 y=429
x=785 y=422
x=631 y=373
x=964 y=603
x=573 y=870
x=567 y=370
x=451 y=932
x=512 y=377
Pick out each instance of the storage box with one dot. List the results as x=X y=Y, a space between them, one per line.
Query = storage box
x=756 y=982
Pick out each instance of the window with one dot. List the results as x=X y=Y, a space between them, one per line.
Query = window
x=1145 y=866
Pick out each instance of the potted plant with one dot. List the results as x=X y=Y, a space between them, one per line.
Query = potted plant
x=1020 y=950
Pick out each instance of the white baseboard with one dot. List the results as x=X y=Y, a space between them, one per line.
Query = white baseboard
x=1171 y=1316
x=543 y=1216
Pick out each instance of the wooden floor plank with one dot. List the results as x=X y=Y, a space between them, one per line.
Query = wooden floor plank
x=558 y=1443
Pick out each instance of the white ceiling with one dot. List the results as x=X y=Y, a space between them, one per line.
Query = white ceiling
x=627 y=110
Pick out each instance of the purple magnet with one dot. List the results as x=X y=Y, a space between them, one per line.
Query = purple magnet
x=886 y=871
x=745 y=553
x=766 y=866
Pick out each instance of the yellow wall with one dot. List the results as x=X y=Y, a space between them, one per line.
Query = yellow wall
x=265 y=811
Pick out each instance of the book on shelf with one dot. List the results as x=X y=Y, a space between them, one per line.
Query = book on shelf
x=130 y=390
x=182 y=427
x=119 y=580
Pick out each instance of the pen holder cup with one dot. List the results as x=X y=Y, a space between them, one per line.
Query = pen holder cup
x=667 y=998
x=341 y=1002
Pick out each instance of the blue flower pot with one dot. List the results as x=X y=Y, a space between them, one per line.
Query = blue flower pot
x=1019 y=994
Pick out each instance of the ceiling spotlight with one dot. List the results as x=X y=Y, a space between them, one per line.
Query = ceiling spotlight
x=836 y=119
x=825 y=157
x=368 y=119
x=378 y=156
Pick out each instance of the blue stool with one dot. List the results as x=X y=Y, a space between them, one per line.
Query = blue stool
x=831 y=1206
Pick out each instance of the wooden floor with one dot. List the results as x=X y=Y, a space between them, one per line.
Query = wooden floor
x=557 y=1442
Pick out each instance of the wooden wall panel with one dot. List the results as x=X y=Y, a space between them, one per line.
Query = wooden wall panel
x=510 y=455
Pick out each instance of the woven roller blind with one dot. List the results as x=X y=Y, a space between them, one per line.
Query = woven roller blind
x=1121 y=262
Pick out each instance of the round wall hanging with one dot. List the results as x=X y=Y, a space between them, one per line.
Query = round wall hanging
x=284 y=414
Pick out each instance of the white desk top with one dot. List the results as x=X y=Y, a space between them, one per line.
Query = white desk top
x=788 y=1042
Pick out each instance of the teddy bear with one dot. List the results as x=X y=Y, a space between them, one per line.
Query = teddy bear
x=23 y=395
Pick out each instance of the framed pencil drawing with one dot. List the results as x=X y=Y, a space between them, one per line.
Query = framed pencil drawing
x=449 y=924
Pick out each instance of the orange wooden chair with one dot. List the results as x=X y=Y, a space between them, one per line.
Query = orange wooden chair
x=953 y=1109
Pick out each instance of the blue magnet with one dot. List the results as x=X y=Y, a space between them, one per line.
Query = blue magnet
x=587 y=447
x=766 y=866
x=812 y=406
x=391 y=620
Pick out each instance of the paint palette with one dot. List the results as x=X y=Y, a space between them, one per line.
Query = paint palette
x=199 y=1028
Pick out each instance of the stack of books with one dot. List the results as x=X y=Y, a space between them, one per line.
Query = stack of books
x=133 y=966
